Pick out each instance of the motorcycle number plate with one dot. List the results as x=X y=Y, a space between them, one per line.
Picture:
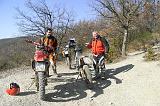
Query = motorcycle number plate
x=40 y=66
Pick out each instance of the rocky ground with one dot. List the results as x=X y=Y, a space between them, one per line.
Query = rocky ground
x=131 y=82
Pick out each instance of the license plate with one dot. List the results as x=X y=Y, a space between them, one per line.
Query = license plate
x=40 y=66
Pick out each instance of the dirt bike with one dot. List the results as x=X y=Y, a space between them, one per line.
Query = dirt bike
x=67 y=53
x=90 y=69
x=99 y=66
x=40 y=65
x=71 y=56
x=78 y=52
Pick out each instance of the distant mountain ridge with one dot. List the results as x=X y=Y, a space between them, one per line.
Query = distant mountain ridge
x=15 y=52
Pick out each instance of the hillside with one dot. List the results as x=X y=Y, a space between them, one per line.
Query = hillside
x=14 y=52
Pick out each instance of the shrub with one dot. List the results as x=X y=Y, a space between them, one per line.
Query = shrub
x=150 y=55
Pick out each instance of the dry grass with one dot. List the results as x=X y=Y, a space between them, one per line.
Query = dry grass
x=14 y=53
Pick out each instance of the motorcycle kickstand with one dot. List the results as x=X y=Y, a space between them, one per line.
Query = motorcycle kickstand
x=33 y=81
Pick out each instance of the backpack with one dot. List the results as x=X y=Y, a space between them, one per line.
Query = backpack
x=106 y=43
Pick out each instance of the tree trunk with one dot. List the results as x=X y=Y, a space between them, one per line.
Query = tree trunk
x=124 y=43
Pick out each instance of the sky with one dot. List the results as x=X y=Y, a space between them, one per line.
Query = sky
x=8 y=27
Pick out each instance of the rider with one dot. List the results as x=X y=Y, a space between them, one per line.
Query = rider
x=98 y=47
x=72 y=43
x=51 y=43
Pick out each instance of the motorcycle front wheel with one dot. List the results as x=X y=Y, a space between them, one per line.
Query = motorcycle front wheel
x=41 y=80
x=87 y=76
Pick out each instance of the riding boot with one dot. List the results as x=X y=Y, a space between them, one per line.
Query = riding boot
x=55 y=71
x=47 y=72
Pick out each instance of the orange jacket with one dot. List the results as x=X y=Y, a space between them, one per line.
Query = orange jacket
x=50 y=41
x=97 y=46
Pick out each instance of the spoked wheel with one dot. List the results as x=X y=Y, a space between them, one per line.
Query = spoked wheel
x=77 y=55
x=41 y=80
x=86 y=75
x=100 y=71
x=36 y=81
x=97 y=71
x=71 y=63
x=67 y=60
x=76 y=61
x=71 y=57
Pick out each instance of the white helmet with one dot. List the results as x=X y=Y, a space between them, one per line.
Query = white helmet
x=73 y=39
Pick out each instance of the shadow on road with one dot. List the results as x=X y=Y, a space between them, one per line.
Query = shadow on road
x=120 y=69
x=26 y=93
x=77 y=90
x=68 y=74
x=109 y=73
x=67 y=92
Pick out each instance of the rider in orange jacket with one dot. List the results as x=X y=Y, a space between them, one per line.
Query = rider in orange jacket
x=97 y=45
x=51 y=42
x=99 y=48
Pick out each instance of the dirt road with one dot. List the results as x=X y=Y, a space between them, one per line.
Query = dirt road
x=131 y=82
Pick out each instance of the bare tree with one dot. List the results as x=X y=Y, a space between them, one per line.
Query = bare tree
x=40 y=16
x=149 y=14
x=82 y=30
x=121 y=12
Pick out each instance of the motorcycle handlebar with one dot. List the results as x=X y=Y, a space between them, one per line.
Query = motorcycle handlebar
x=38 y=45
x=34 y=43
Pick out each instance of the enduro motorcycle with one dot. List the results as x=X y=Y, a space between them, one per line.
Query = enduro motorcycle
x=99 y=65
x=67 y=54
x=90 y=69
x=40 y=65
x=78 y=52
x=72 y=55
